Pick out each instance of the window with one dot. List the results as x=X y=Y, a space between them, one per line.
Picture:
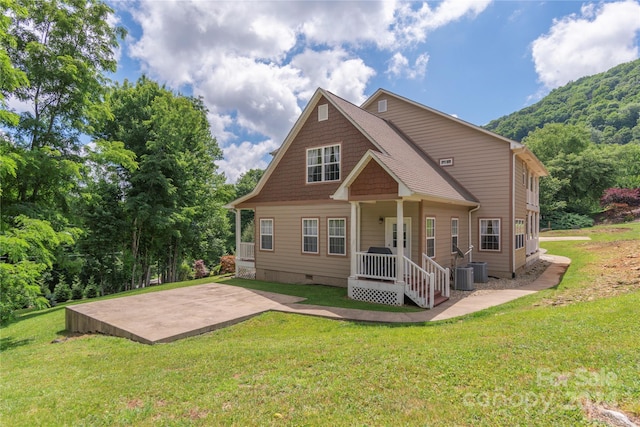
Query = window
x=520 y=231
x=266 y=234
x=323 y=112
x=337 y=230
x=382 y=106
x=310 y=236
x=489 y=234
x=323 y=164
x=431 y=236
x=454 y=235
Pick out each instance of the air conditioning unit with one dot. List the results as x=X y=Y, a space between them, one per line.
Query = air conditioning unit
x=464 y=279
x=480 y=274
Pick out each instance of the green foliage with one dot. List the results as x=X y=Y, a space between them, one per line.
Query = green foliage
x=607 y=104
x=62 y=291
x=559 y=220
x=248 y=232
x=77 y=289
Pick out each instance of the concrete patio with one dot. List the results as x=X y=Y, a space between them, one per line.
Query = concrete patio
x=165 y=316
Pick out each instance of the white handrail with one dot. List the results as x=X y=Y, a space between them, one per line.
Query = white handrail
x=418 y=284
x=376 y=266
x=247 y=251
x=442 y=275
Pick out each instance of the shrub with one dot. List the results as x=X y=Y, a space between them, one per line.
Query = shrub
x=62 y=291
x=91 y=290
x=77 y=289
x=184 y=272
x=566 y=220
x=227 y=264
x=200 y=269
x=628 y=196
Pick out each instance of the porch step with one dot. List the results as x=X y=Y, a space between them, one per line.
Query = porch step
x=438 y=298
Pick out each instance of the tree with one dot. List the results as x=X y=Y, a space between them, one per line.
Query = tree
x=28 y=247
x=579 y=170
x=173 y=201
x=245 y=185
x=63 y=48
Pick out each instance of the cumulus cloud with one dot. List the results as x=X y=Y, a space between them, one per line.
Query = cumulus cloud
x=399 y=66
x=598 y=38
x=256 y=64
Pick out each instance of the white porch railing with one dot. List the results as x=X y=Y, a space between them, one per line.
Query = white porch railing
x=418 y=284
x=375 y=266
x=247 y=251
x=532 y=246
x=442 y=276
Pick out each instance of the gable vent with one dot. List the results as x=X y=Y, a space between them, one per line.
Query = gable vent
x=323 y=112
x=382 y=106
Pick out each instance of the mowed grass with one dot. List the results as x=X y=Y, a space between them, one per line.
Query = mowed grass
x=523 y=363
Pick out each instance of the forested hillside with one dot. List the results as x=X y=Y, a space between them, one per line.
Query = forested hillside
x=608 y=104
x=587 y=134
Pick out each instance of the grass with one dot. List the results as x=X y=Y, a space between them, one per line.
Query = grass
x=522 y=363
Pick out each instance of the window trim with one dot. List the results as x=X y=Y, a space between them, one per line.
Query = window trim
x=317 y=236
x=456 y=235
x=499 y=235
x=427 y=238
x=272 y=221
x=329 y=236
x=323 y=165
x=521 y=224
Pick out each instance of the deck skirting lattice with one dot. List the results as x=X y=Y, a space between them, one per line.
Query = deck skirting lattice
x=376 y=292
x=243 y=272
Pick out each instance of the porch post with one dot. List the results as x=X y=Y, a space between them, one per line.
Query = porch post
x=400 y=242
x=353 y=238
x=238 y=236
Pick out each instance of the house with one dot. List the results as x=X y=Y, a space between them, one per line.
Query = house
x=347 y=178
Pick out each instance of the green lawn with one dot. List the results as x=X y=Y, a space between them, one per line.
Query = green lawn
x=528 y=362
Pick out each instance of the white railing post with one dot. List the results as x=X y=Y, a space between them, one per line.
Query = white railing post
x=238 y=235
x=400 y=241
x=353 y=239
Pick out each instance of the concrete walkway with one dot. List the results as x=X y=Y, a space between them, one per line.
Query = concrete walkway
x=160 y=317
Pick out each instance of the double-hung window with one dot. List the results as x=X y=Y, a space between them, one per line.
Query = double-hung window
x=310 y=235
x=323 y=164
x=454 y=235
x=337 y=232
x=430 y=233
x=490 y=234
x=266 y=234
x=520 y=231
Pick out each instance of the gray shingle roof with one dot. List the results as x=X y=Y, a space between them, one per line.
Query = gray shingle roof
x=413 y=167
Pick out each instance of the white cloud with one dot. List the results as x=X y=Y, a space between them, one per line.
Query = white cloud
x=600 y=37
x=239 y=158
x=399 y=66
x=255 y=63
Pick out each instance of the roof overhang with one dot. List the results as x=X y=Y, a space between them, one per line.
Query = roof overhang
x=526 y=155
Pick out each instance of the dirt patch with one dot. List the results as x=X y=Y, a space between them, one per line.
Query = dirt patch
x=609 y=416
x=617 y=268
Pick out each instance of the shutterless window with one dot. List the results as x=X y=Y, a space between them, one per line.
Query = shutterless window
x=323 y=164
x=490 y=234
x=454 y=234
x=337 y=230
x=266 y=234
x=520 y=231
x=310 y=235
x=431 y=236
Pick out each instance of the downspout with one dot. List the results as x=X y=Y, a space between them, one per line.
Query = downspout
x=513 y=215
x=470 y=237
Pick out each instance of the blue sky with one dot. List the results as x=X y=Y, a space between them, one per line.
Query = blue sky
x=257 y=63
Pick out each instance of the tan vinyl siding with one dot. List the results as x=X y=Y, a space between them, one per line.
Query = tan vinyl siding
x=287 y=263
x=481 y=163
x=521 y=210
x=443 y=214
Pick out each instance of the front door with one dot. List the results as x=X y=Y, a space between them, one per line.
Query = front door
x=391 y=235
